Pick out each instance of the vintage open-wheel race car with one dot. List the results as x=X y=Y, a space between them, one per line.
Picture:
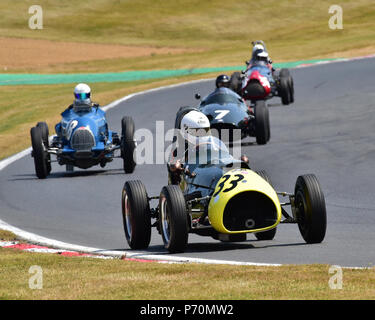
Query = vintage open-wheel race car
x=222 y=198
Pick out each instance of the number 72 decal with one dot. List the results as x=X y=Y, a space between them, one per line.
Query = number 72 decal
x=233 y=183
x=221 y=114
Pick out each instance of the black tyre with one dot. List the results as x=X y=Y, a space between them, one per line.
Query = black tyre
x=262 y=122
x=291 y=89
x=236 y=82
x=39 y=153
x=136 y=215
x=236 y=237
x=270 y=234
x=284 y=72
x=285 y=86
x=284 y=90
x=266 y=235
x=45 y=134
x=310 y=209
x=173 y=219
x=128 y=144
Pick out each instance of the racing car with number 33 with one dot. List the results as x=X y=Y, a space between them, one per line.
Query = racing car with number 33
x=223 y=198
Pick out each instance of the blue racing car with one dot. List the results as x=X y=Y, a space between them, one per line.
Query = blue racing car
x=83 y=140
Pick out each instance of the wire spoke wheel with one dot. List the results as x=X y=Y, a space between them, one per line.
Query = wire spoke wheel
x=173 y=219
x=164 y=216
x=136 y=215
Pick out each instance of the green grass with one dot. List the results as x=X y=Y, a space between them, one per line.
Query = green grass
x=88 y=278
x=7 y=235
x=292 y=29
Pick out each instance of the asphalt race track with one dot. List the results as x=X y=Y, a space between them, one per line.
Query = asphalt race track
x=329 y=131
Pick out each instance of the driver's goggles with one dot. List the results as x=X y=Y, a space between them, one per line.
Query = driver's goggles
x=82 y=96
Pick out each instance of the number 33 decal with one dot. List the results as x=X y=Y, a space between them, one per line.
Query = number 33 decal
x=233 y=183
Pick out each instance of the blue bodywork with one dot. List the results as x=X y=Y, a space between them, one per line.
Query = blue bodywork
x=93 y=122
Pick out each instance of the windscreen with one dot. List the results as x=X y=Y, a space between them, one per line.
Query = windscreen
x=221 y=98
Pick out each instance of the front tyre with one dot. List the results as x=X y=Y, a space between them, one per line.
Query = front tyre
x=310 y=209
x=173 y=219
x=136 y=215
x=236 y=82
x=39 y=153
x=128 y=144
x=45 y=134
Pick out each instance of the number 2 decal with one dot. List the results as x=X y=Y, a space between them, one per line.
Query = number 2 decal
x=221 y=114
x=232 y=182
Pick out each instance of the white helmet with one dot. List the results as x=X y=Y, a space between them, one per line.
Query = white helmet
x=258 y=47
x=82 y=94
x=194 y=124
x=260 y=55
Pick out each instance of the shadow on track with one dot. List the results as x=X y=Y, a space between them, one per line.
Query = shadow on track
x=74 y=174
x=213 y=247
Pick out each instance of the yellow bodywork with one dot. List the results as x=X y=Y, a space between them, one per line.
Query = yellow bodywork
x=250 y=182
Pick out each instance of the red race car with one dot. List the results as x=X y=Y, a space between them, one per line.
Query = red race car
x=260 y=81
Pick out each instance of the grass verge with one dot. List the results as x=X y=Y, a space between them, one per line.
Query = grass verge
x=218 y=31
x=90 y=278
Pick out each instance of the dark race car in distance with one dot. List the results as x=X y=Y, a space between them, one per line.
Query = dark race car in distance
x=226 y=110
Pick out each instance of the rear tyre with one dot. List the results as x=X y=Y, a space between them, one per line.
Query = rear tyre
x=236 y=82
x=45 y=134
x=128 y=144
x=262 y=122
x=284 y=72
x=291 y=89
x=173 y=219
x=39 y=153
x=136 y=215
x=284 y=91
x=270 y=234
x=285 y=86
x=310 y=209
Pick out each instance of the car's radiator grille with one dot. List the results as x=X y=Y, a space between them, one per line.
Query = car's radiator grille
x=82 y=140
x=249 y=210
x=254 y=90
